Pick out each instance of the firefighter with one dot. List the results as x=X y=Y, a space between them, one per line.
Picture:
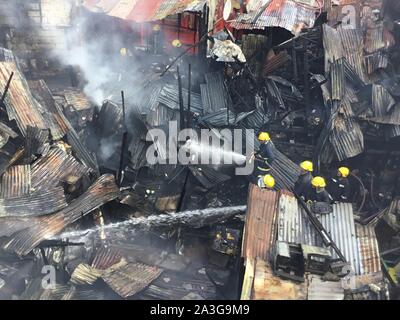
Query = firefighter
x=303 y=186
x=339 y=186
x=266 y=182
x=319 y=193
x=265 y=156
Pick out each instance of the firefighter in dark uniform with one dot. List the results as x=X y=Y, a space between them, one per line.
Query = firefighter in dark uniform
x=339 y=186
x=303 y=186
x=263 y=158
x=265 y=155
x=319 y=193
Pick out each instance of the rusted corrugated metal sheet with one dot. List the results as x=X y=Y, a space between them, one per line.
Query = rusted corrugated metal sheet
x=102 y=191
x=384 y=106
x=267 y=286
x=324 y=290
x=288 y=14
x=143 y=10
x=131 y=278
x=35 y=203
x=85 y=275
x=16 y=182
x=55 y=121
x=77 y=99
x=347 y=137
x=36 y=142
x=369 y=249
x=11 y=225
x=260 y=222
x=56 y=167
x=21 y=106
x=59 y=124
x=106 y=257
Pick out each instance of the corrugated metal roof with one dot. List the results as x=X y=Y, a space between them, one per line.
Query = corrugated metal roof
x=85 y=275
x=369 y=249
x=385 y=108
x=338 y=80
x=106 y=257
x=358 y=244
x=35 y=141
x=346 y=138
x=56 y=167
x=293 y=224
x=169 y=96
x=260 y=223
x=286 y=14
x=214 y=93
x=143 y=10
x=102 y=191
x=348 y=43
x=57 y=124
x=220 y=118
x=36 y=203
x=20 y=104
x=324 y=290
x=376 y=37
x=77 y=99
x=16 y=181
x=131 y=278
x=376 y=61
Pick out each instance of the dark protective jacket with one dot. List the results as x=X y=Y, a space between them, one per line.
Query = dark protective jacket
x=266 y=152
x=339 y=188
x=264 y=157
x=303 y=187
x=321 y=196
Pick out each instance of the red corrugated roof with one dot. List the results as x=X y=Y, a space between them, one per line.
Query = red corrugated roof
x=143 y=10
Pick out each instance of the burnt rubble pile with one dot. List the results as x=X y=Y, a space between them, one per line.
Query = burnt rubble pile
x=80 y=202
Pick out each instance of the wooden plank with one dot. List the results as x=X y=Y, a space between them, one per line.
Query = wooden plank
x=248 y=280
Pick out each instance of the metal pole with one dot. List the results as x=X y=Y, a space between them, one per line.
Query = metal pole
x=181 y=106
x=124 y=142
x=189 y=115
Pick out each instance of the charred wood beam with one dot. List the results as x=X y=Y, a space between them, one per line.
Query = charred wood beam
x=3 y=97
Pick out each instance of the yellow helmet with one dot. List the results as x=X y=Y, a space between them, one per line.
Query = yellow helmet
x=318 y=182
x=123 y=52
x=344 y=171
x=177 y=43
x=269 y=181
x=264 y=136
x=307 y=166
x=156 y=28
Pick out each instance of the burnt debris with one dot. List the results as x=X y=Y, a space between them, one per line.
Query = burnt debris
x=90 y=96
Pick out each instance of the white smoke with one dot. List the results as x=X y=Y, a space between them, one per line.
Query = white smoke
x=96 y=55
